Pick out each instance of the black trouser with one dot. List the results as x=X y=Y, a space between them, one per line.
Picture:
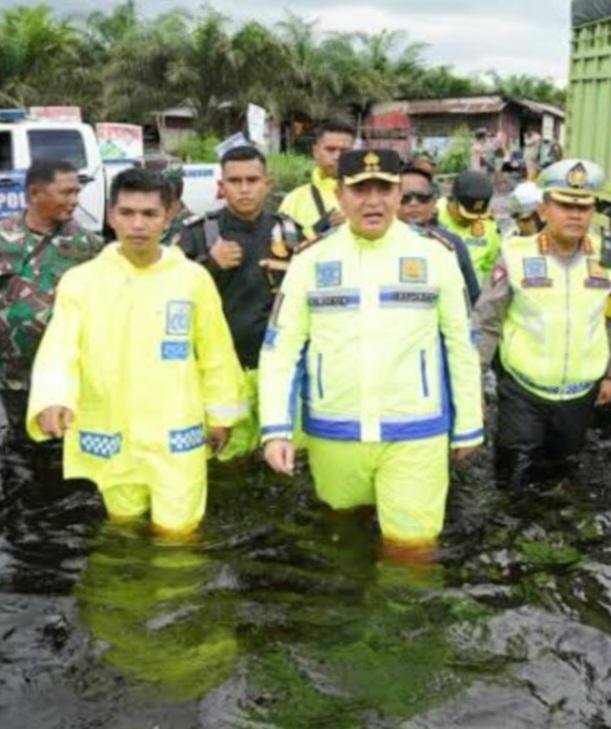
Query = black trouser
x=532 y=430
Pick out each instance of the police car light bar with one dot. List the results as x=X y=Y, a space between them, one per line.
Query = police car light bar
x=12 y=115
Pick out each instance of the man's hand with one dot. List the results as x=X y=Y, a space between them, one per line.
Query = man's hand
x=227 y=254
x=460 y=455
x=55 y=420
x=280 y=455
x=218 y=437
x=604 y=393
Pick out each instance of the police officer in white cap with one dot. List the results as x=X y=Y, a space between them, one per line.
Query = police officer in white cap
x=524 y=204
x=544 y=308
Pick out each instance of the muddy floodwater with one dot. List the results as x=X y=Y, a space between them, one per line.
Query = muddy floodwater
x=282 y=615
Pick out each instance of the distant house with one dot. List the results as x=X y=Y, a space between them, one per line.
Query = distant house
x=174 y=126
x=429 y=123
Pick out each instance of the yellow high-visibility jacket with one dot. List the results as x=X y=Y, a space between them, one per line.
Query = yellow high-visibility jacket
x=554 y=339
x=144 y=359
x=481 y=237
x=300 y=205
x=376 y=336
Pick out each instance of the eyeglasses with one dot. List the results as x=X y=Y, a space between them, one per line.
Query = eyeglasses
x=420 y=197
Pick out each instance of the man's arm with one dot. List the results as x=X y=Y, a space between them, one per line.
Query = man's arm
x=490 y=312
x=463 y=367
x=222 y=377
x=280 y=364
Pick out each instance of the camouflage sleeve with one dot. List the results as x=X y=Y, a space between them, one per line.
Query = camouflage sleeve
x=608 y=373
x=490 y=311
x=95 y=242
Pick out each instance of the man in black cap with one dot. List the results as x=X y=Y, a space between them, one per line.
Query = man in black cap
x=466 y=212
x=357 y=330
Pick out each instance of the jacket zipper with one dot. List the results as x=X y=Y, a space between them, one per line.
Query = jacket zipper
x=423 y=374
x=321 y=391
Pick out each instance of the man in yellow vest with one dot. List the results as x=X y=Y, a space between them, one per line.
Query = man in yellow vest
x=315 y=206
x=372 y=325
x=544 y=308
x=137 y=368
x=466 y=213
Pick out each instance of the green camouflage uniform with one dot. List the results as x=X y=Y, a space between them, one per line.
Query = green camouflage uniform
x=30 y=267
x=171 y=235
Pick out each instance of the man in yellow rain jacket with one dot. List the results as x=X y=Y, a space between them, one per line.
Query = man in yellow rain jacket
x=466 y=214
x=373 y=324
x=315 y=206
x=545 y=310
x=137 y=367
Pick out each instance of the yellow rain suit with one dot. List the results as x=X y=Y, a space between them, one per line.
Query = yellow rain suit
x=376 y=335
x=144 y=359
x=300 y=204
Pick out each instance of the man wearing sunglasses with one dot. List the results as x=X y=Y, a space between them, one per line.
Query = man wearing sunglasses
x=419 y=207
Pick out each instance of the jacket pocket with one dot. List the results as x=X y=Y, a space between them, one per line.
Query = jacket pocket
x=424 y=381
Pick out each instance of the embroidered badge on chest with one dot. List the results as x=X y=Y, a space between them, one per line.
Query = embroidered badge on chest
x=598 y=276
x=535 y=273
x=328 y=274
x=178 y=318
x=412 y=270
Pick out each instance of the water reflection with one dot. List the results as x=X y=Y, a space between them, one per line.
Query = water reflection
x=141 y=600
x=283 y=615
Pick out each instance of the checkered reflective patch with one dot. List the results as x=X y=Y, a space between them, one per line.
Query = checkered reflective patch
x=187 y=439
x=100 y=445
x=174 y=350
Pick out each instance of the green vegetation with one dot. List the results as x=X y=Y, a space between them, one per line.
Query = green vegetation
x=117 y=65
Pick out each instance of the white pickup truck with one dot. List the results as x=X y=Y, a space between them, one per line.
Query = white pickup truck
x=23 y=141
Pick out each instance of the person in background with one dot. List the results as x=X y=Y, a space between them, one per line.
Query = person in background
x=419 y=207
x=36 y=248
x=478 y=151
x=532 y=146
x=179 y=212
x=466 y=213
x=314 y=206
x=524 y=204
x=246 y=250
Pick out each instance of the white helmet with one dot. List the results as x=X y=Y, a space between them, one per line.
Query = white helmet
x=525 y=199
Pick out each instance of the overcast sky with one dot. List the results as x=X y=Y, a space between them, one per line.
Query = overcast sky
x=513 y=36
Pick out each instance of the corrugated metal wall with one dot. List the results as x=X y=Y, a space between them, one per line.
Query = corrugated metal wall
x=589 y=94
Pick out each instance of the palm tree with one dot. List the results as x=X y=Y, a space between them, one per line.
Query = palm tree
x=33 y=49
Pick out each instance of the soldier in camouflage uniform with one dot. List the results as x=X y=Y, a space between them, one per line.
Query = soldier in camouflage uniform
x=179 y=212
x=36 y=247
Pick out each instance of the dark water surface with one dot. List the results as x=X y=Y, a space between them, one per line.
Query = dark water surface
x=281 y=615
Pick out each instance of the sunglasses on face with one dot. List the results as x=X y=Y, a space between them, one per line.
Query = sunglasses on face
x=420 y=197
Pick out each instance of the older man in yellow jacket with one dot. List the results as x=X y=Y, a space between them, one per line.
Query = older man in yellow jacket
x=137 y=367
x=372 y=324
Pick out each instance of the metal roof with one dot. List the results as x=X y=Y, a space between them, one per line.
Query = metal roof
x=484 y=104
x=590 y=11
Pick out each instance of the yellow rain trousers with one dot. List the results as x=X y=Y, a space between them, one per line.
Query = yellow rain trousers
x=144 y=359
